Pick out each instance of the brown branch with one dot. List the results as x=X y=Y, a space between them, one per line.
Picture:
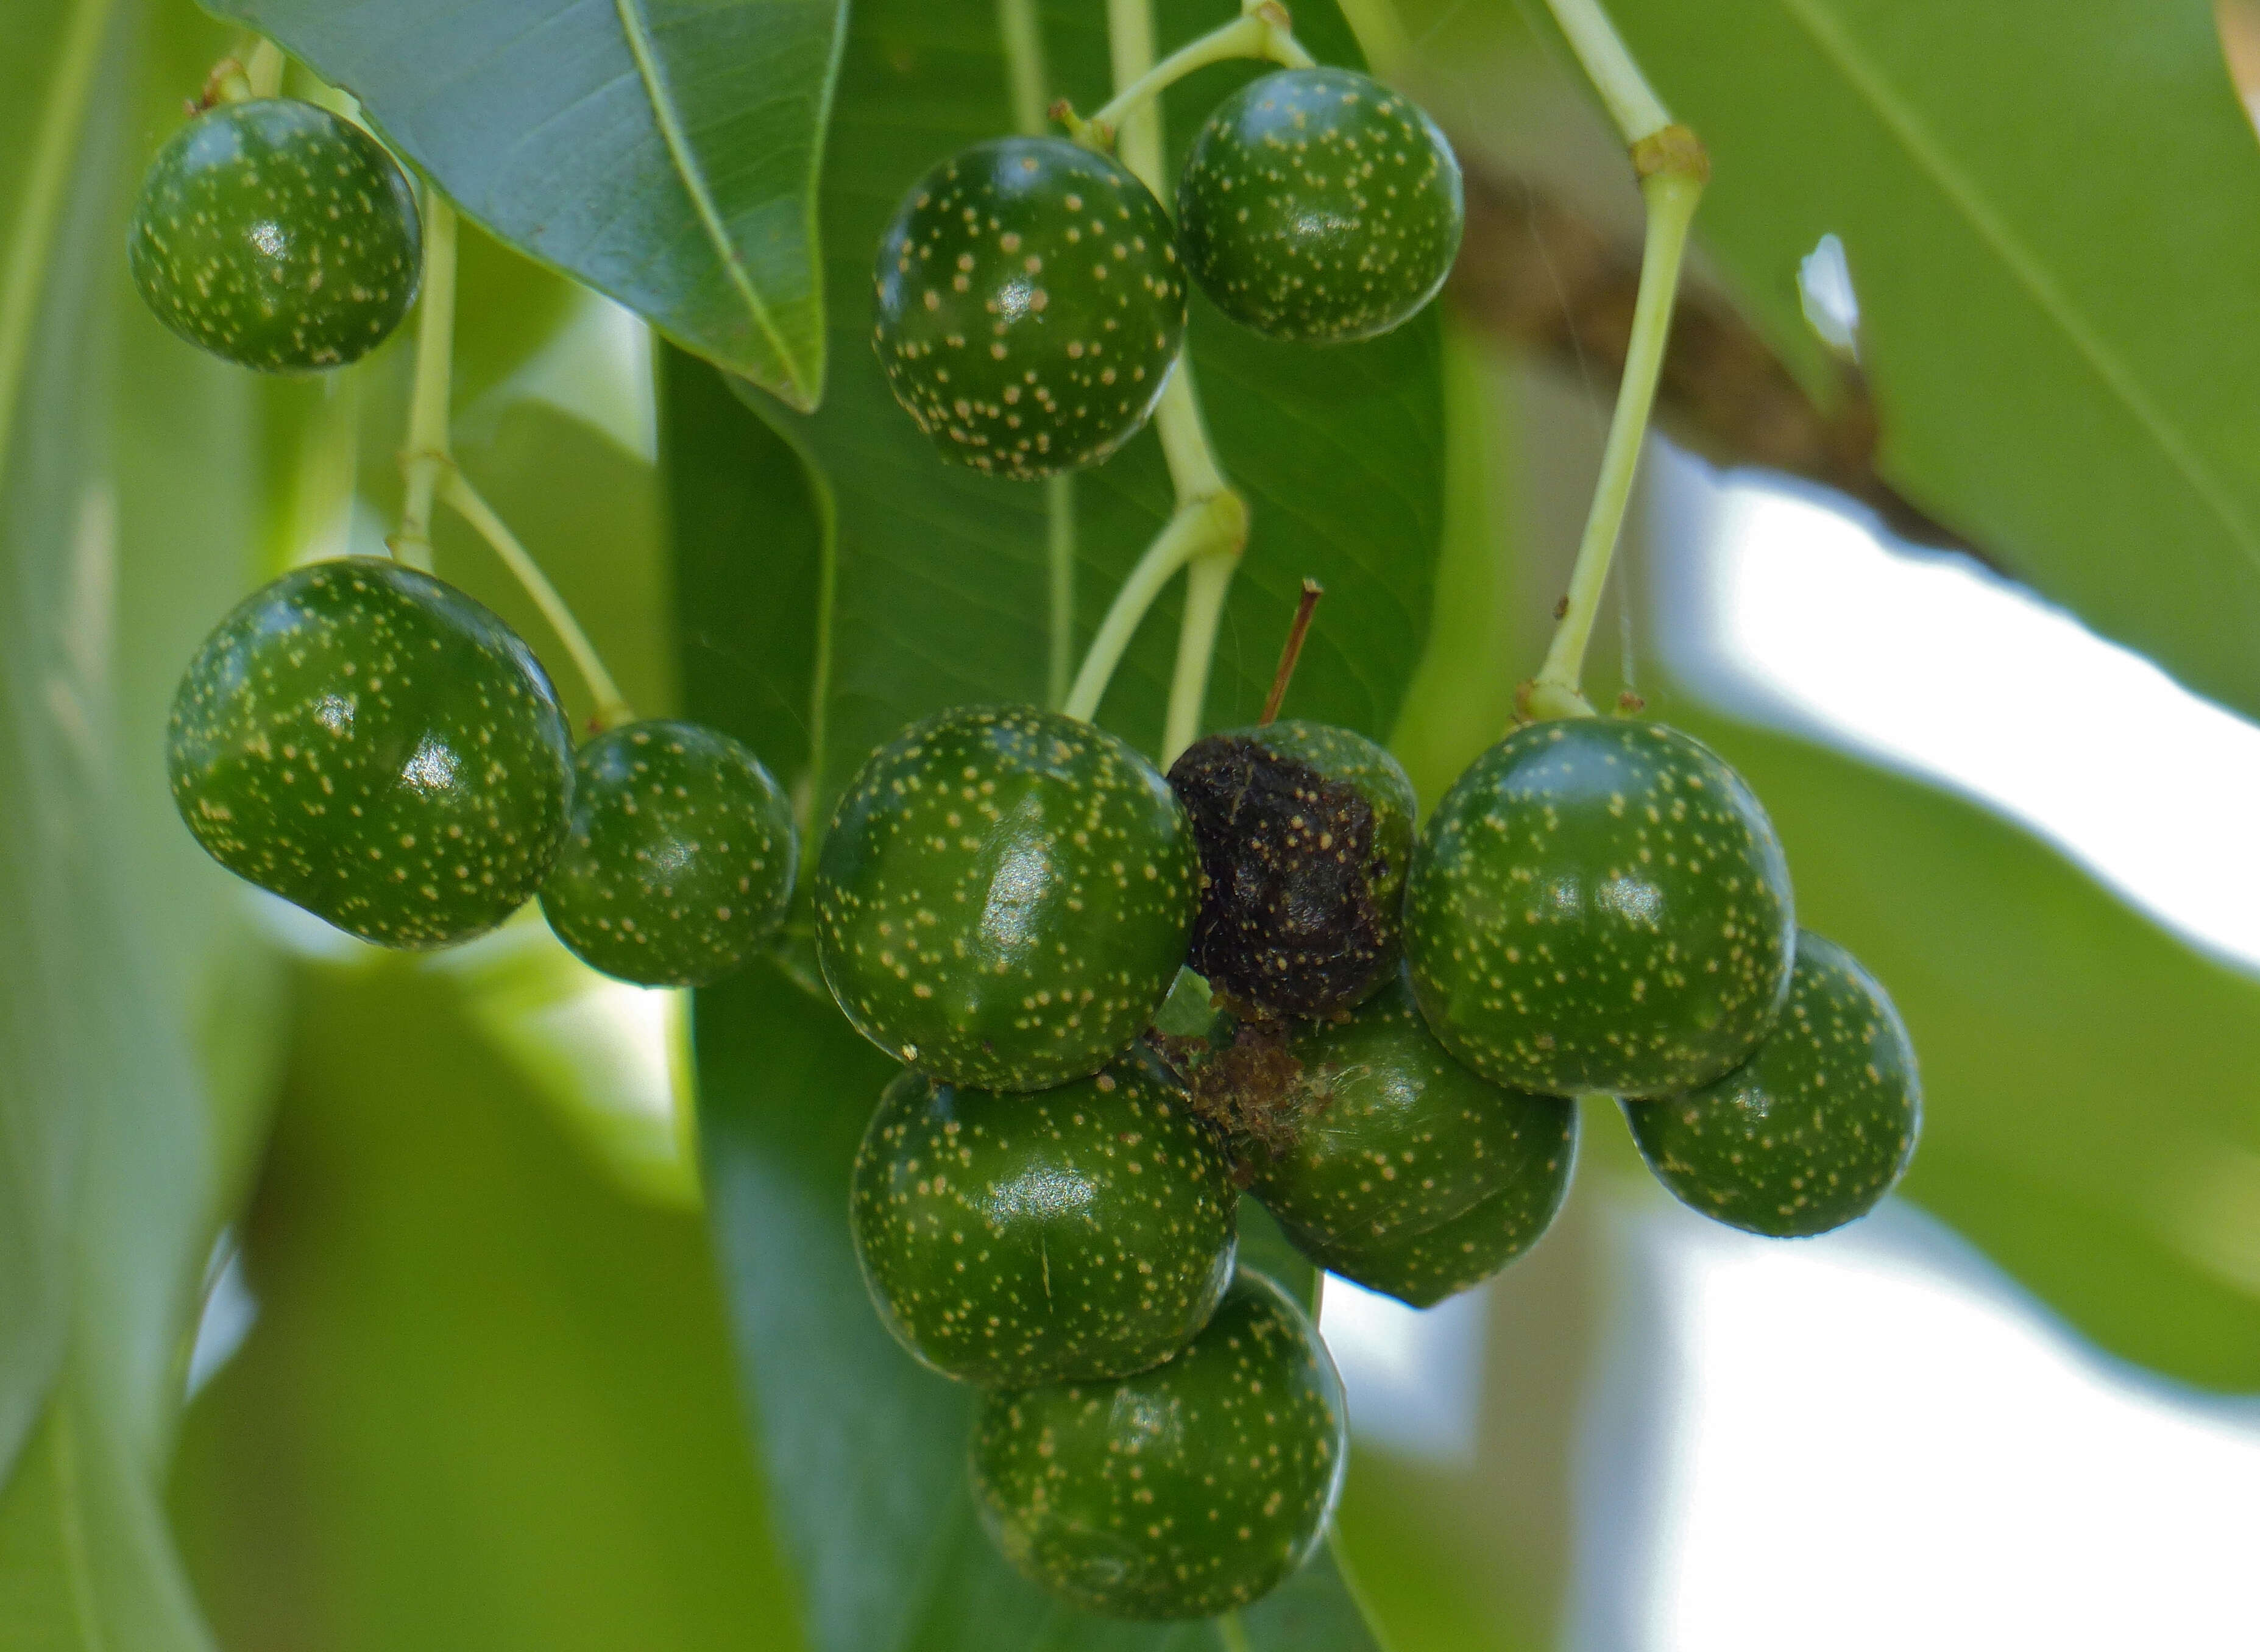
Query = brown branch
x=1535 y=273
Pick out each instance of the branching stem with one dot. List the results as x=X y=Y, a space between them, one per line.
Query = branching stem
x=1209 y=528
x=1673 y=169
x=1261 y=31
x=464 y=500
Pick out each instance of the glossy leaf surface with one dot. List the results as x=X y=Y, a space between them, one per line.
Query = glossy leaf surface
x=664 y=151
x=2047 y=212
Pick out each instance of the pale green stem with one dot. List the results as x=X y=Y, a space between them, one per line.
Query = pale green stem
x=1059 y=550
x=1207 y=582
x=1671 y=200
x=38 y=192
x=463 y=499
x=264 y=73
x=1262 y=32
x=1209 y=527
x=1632 y=103
x=1203 y=528
x=1232 y=1633
x=425 y=459
x=1018 y=27
x=1380 y=33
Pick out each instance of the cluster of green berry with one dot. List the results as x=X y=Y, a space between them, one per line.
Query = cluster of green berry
x=363 y=739
x=1032 y=291
x=1383 y=1043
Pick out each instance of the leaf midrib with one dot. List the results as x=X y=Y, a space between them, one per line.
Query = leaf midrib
x=1900 y=119
x=693 y=176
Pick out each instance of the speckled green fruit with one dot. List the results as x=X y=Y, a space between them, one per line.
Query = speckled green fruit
x=1814 y=1129
x=1030 y=304
x=376 y=747
x=1422 y=1269
x=679 y=860
x=1085 y=1231
x=276 y=235
x=1186 y=1490
x=1304 y=832
x=1004 y=896
x=1393 y=1138
x=1317 y=205
x=1600 y=904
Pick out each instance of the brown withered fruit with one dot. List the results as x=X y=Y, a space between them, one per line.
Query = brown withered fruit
x=1304 y=832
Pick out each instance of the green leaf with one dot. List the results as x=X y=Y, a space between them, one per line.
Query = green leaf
x=665 y=152
x=2050 y=214
x=489 y=1401
x=817 y=621
x=137 y=1015
x=2088 y=1114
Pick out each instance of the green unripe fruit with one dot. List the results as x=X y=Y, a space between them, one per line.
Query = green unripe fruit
x=277 y=235
x=1180 y=1493
x=679 y=860
x=1317 y=205
x=1422 y=1269
x=1085 y=1231
x=1389 y=1138
x=1304 y=832
x=1004 y=896
x=376 y=747
x=1030 y=304
x=1814 y=1129
x=1600 y=904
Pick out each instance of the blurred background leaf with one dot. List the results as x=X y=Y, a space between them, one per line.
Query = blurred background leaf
x=488 y=1402
x=665 y=152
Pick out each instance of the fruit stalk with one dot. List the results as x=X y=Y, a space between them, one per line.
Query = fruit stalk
x=464 y=500
x=1291 y=652
x=1673 y=168
x=1210 y=528
x=425 y=459
x=1263 y=31
x=1191 y=533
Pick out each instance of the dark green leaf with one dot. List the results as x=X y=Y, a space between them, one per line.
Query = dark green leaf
x=664 y=151
x=489 y=1401
x=2051 y=214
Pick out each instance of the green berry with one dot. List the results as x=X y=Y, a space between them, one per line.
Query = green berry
x=1814 y=1129
x=376 y=747
x=1424 y=1268
x=276 y=235
x=1184 y=1491
x=1317 y=205
x=1600 y=904
x=1030 y=304
x=1085 y=1231
x=679 y=860
x=1389 y=1138
x=1004 y=896
x=1304 y=832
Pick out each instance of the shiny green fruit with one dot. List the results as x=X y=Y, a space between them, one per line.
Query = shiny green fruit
x=1317 y=205
x=1304 y=832
x=1424 y=1268
x=1390 y=1138
x=679 y=860
x=1085 y=1231
x=277 y=235
x=1184 y=1491
x=1814 y=1129
x=1004 y=896
x=1600 y=904
x=376 y=747
x=1030 y=305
